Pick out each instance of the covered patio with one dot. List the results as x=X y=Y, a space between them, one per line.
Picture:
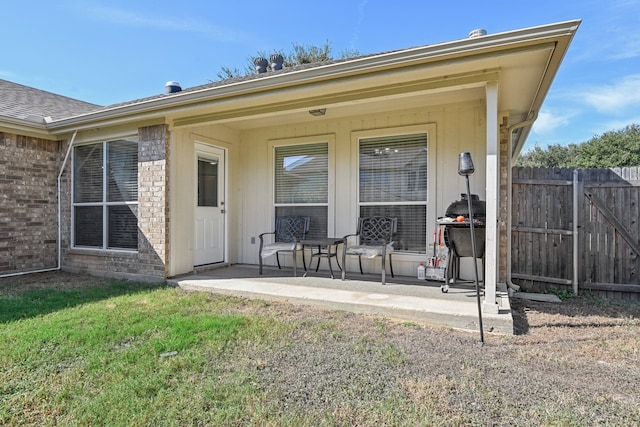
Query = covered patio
x=402 y=298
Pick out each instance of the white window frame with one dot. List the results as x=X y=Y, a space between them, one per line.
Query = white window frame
x=104 y=203
x=329 y=139
x=430 y=203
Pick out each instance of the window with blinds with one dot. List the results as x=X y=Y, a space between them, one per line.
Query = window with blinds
x=105 y=195
x=393 y=182
x=301 y=183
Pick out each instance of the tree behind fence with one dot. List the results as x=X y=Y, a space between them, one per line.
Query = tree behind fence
x=608 y=261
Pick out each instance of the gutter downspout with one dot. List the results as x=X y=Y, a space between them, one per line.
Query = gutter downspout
x=64 y=164
x=512 y=286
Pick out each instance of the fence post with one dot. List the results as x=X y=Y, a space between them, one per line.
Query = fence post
x=575 y=231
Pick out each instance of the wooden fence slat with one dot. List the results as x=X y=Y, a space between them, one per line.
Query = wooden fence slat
x=615 y=287
x=633 y=261
x=541 y=181
x=541 y=278
x=622 y=212
x=613 y=184
x=542 y=230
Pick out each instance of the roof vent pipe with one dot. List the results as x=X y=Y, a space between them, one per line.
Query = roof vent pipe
x=276 y=61
x=172 y=87
x=477 y=33
x=261 y=65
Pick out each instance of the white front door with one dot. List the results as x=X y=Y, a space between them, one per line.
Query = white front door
x=210 y=205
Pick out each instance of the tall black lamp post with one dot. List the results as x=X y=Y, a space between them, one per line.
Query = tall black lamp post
x=466 y=168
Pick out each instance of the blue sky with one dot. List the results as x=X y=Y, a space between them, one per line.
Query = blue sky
x=107 y=52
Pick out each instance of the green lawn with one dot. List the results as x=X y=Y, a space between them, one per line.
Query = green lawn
x=123 y=354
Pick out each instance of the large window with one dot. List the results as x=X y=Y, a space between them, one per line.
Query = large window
x=301 y=184
x=105 y=195
x=393 y=182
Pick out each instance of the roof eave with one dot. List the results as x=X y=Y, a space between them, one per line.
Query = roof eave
x=25 y=127
x=157 y=107
x=545 y=83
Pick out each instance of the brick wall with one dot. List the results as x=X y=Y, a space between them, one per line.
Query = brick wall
x=150 y=261
x=28 y=208
x=153 y=198
x=503 y=209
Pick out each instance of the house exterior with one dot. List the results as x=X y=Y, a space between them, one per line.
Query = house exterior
x=153 y=188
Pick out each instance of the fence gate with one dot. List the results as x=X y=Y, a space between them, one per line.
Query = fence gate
x=577 y=230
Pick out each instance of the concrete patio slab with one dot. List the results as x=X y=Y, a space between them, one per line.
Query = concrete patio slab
x=402 y=298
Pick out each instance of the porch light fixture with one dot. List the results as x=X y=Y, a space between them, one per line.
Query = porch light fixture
x=318 y=112
x=466 y=168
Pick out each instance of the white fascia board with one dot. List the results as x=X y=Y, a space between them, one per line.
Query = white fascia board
x=465 y=48
x=25 y=127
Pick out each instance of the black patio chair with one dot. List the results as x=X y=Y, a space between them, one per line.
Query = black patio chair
x=289 y=232
x=375 y=238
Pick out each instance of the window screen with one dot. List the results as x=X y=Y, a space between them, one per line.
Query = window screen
x=301 y=184
x=105 y=195
x=393 y=182
x=88 y=226
x=123 y=226
x=122 y=166
x=88 y=174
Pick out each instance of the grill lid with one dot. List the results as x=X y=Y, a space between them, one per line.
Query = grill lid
x=461 y=207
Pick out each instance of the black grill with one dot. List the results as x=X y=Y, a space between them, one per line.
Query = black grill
x=457 y=235
x=458 y=239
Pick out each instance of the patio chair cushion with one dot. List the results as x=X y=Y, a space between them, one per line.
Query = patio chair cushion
x=368 y=251
x=273 y=248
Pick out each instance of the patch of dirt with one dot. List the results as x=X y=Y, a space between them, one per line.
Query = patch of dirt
x=59 y=280
x=571 y=363
x=578 y=357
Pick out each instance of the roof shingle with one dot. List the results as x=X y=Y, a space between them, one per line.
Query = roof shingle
x=21 y=102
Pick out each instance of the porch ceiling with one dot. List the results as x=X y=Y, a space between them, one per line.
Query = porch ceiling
x=415 y=100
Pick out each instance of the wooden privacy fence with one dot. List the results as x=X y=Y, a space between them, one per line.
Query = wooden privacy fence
x=576 y=230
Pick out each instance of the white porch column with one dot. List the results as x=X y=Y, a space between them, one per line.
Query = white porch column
x=493 y=194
